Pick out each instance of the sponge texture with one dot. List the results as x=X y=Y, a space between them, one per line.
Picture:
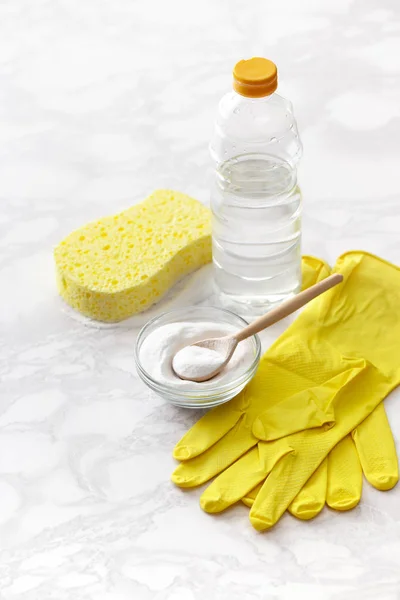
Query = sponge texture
x=118 y=266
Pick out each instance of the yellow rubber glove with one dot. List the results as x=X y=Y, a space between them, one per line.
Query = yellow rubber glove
x=370 y=449
x=309 y=364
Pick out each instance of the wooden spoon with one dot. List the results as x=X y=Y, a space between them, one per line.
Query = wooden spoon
x=213 y=355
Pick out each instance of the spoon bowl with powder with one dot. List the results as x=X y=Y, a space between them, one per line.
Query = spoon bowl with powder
x=197 y=361
x=205 y=359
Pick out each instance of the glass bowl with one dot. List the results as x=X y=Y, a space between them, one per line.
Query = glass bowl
x=197 y=397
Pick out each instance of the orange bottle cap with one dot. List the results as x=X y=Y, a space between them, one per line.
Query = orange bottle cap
x=255 y=78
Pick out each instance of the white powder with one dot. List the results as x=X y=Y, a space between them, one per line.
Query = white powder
x=194 y=361
x=160 y=346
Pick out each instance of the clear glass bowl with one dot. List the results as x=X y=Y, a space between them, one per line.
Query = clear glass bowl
x=197 y=397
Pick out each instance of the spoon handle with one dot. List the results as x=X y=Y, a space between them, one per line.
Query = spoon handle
x=289 y=306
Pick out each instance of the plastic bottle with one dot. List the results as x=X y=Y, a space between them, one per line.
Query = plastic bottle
x=255 y=199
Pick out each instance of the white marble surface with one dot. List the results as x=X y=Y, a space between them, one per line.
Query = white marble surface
x=100 y=103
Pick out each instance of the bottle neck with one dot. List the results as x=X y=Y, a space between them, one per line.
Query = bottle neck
x=249 y=99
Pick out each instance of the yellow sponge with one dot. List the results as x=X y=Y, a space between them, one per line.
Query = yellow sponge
x=118 y=266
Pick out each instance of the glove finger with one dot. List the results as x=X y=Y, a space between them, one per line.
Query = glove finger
x=198 y=470
x=296 y=413
x=309 y=408
x=311 y=499
x=277 y=493
x=377 y=451
x=207 y=431
x=344 y=476
x=237 y=481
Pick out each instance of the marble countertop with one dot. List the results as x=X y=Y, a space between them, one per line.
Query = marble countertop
x=100 y=104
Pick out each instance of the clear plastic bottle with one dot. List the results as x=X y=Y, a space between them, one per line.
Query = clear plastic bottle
x=255 y=199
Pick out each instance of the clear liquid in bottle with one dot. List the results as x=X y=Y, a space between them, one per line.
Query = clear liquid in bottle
x=256 y=207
